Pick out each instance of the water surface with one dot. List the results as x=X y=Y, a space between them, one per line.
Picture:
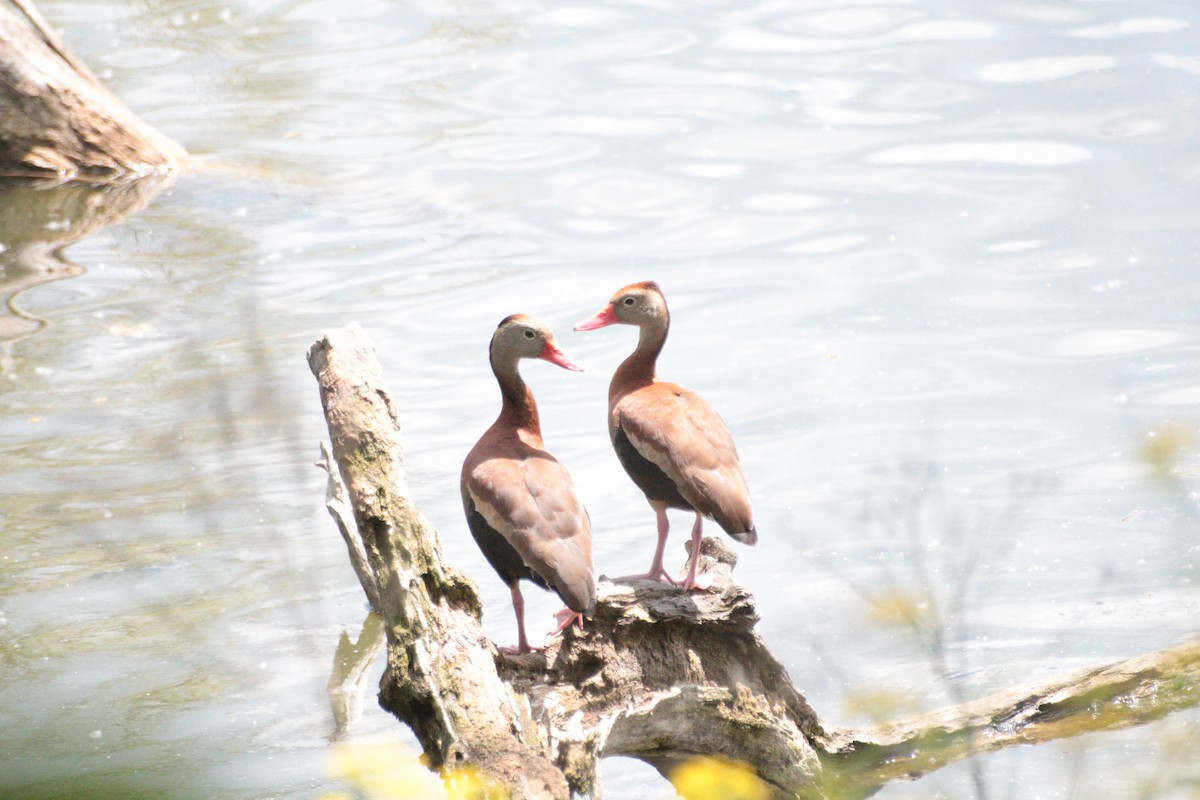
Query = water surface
x=934 y=262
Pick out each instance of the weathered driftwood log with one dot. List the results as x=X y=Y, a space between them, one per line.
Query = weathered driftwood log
x=441 y=675
x=659 y=675
x=57 y=119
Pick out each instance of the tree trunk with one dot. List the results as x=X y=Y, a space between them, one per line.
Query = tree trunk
x=57 y=120
x=441 y=675
x=658 y=675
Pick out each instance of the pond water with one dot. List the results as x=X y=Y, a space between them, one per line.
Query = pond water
x=935 y=263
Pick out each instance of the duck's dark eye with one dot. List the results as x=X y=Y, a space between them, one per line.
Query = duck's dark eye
x=629 y=301
x=529 y=334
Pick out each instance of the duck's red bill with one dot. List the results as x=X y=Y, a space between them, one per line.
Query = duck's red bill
x=607 y=316
x=554 y=355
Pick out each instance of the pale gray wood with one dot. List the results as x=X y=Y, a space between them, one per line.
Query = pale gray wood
x=58 y=120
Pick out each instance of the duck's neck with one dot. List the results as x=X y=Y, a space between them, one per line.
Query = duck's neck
x=519 y=410
x=640 y=368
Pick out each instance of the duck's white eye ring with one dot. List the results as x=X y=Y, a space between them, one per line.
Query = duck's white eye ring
x=629 y=301
x=529 y=334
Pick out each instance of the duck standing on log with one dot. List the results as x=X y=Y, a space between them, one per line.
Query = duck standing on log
x=519 y=500
x=674 y=446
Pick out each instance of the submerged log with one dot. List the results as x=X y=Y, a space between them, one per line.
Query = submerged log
x=1127 y=693
x=658 y=675
x=57 y=119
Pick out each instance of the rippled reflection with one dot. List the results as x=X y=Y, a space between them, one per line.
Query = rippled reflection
x=38 y=221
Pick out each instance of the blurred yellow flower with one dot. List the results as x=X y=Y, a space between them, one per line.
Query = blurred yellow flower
x=898 y=608
x=707 y=778
x=1163 y=448
x=385 y=771
x=388 y=771
x=467 y=783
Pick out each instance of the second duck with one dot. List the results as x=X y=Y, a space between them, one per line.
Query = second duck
x=674 y=446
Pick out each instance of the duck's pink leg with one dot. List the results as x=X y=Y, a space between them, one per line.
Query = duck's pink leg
x=566 y=618
x=656 y=571
x=693 y=581
x=522 y=643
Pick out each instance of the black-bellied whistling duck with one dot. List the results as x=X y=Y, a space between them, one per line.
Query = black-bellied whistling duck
x=519 y=500
x=672 y=443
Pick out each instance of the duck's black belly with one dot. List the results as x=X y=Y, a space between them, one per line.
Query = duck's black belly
x=503 y=557
x=648 y=476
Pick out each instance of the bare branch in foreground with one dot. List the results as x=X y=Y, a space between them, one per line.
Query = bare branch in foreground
x=336 y=505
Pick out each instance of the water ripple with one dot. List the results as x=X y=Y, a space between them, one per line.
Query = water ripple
x=945 y=30
x=784 y=201
x=505 y=152
x=745 y=38
x=1028 y=153
x=827 y=244
x=1182 y=396
x=828 y=115
x=1182 y=63
x=1129 y=27
x=579 y=17
x=1035 y=70
x=1016 y=246
x=1114 y=341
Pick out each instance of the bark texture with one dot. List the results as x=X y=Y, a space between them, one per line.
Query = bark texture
x=441 y=676
x=658 y=674
x=57 y=119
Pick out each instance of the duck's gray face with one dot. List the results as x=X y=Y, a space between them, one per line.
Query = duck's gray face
x=523 y=336
x=637 y=304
